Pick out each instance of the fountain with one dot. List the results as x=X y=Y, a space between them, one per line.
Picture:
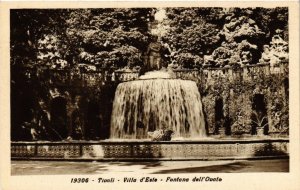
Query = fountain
x=148 y=104
x=157 y=100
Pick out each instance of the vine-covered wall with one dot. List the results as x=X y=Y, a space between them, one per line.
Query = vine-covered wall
x=238 y=89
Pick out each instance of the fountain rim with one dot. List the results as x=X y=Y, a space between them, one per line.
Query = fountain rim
x=118 y=141
x=156 y=79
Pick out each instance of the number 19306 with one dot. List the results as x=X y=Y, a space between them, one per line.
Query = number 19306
x=79 y=180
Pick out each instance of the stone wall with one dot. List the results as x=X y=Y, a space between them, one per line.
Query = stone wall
x=228 y=96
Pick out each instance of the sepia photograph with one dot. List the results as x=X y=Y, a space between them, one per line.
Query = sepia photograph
x=163 y=93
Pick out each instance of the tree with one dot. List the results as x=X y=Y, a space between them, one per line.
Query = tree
x=28 y=26
x=270 y=20
x=191 y=35
x=245 y=32
x=109 y=37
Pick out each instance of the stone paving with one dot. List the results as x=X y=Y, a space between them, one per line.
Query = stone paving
x=159 y=167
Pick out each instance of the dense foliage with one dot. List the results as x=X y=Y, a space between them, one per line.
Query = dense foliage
x=62 y=38
x=229 y=36
x=106 y=38
x=192 y=34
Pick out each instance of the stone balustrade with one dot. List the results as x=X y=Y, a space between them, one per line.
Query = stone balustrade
x=66 y=77
x=149 y=150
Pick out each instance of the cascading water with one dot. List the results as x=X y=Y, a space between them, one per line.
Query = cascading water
x=146 y=105
x=157 y=100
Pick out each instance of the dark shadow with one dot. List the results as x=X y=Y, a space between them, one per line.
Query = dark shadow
x=77 y=125
x=206 y=123
x=286 y=88
x=227 y=125
x=270 y=150
x=218 y=114
x=94 y=126
x=22 y=114
x=58 y=112
x=105 y=109
x=22 y=102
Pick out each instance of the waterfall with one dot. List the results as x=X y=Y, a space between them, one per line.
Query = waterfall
x=146 y=105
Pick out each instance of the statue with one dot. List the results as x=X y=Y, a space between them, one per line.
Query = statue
x=157 y=56
x=153 y=53
x=266 y=55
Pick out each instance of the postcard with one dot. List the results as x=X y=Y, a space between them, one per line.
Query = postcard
x=121 y=95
